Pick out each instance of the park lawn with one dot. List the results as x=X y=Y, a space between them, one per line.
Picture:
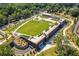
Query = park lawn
x=33 y=27
x=49 y=52
x=9 y=29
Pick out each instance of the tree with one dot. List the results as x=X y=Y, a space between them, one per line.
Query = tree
x=5 y=51
x=74 y=12
x=64 y=48
x=15 y=12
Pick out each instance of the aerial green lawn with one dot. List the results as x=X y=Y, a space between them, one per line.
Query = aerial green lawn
x=10 y=28
x=33 y=27
x=49 y=52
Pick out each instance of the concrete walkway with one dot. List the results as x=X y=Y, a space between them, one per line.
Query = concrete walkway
x=24 y=23
x=49 y=19
x=2 y=42
x=67 y=27
x=64 y=34
x=21 y=25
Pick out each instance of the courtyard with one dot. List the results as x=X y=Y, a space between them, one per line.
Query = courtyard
x=30 y=28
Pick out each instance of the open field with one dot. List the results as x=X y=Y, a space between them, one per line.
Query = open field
x=10 y=28
x=34 y=27
x=49 y=52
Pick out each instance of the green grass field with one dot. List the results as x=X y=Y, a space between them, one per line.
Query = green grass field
x=33 y=27
x=49 y=52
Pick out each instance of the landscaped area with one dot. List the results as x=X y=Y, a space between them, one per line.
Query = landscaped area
x=78 y=29
x=1 y=37
x=39 y=29
x=20 y=42
x=49 y=52
x=34 y=27
x=10 y=28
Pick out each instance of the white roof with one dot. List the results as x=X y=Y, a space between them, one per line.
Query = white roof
x=46 y=13
x=37 y=39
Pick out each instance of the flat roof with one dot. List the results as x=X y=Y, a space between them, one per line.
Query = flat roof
x=37 y=39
